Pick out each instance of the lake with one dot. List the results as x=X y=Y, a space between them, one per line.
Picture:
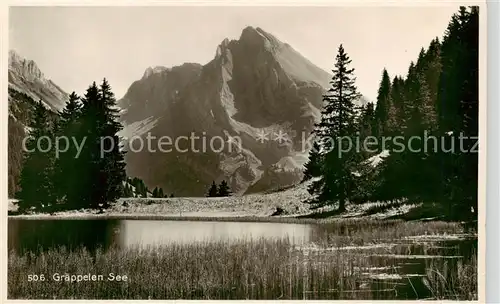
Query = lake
x=35 y=235
x=394 y=265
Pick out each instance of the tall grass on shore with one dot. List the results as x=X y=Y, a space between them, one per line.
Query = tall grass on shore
x=348 y=232
x=260 y=269
x=457 y=282
x=246 y=269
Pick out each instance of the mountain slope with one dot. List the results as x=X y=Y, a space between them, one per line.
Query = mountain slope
x=26 y=77
x=255 y=90
x=27 y=85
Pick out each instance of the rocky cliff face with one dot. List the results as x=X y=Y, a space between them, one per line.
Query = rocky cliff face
x=257 y=91
x=26 y=77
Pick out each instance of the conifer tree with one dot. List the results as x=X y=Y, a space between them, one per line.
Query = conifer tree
x=106 y=166
x=128 y=191
x=458 y=109
x=338 y=181
x=113 y=162
x=37 y=189
x=89 y=155
x=313 y=166
x=224 y=189
x=439 y=96
x=383 y=103
x=140 y=188
x=68 y=167
x=367 y=127
x=160 y=192
x=396 y=117
x=433 y=67
x=212 y=192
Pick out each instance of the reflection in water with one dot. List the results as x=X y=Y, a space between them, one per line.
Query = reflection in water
x=41 y=235
x=36 y=235
x=145 y=233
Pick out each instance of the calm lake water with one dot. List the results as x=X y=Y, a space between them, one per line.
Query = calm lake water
x=403 y=262
x=35 y=235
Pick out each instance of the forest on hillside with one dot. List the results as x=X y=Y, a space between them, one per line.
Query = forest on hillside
x=436 y=102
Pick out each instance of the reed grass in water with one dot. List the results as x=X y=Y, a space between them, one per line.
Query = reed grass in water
x=244 y=269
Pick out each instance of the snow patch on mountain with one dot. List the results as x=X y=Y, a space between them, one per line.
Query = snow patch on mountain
x=138 y=128
x=226 y=96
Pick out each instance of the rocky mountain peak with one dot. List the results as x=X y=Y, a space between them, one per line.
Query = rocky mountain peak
x=154 y=70
x=161 y=69
x=257 y=37
x=24 y=67
x=26 y=77
x=254 y=85
x=222 y=48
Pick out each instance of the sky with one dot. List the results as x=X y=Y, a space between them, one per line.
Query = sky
x=74 y=46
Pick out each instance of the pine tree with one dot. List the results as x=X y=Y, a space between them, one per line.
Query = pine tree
x=367 y=127
x=155 y=192
x=396 y=117
x=140 y=188
x=313 y=166
x=433 y=68
x=37 y=189
x=338 y=180
x=68 y=167
x=106 y=166
x=438 y=96
x=128 y=191
x=113 y=162
x=90 y=152
x=458 y=109
x=383 y=103
x=160 y=192
x=212 y=192
x=224 y=189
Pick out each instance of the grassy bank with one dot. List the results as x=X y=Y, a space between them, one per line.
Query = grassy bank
x=246 y=270
x=344 y=262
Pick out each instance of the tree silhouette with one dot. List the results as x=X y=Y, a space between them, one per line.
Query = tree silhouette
x=212 y=192
x=224 y=189
x=338 y=120
x=36 y=180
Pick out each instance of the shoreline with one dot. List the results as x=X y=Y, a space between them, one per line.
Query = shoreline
x=288 y=219
x=172 y=217
x=251 y=208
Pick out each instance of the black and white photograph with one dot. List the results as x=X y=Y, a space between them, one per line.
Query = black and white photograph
x=242 y=152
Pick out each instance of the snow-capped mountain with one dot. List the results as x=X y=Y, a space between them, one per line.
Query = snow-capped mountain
x=256 y=89
x=26 y=77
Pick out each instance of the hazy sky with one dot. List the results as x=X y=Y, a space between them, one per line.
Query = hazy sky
x=74 y=46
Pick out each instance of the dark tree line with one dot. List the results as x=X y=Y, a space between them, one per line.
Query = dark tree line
x=21 y=112
x=219 y=191
x=90 y=178
x=438 y=97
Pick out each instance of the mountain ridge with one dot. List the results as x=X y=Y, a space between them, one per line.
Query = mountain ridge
x=26 y=77
x=254 y=84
